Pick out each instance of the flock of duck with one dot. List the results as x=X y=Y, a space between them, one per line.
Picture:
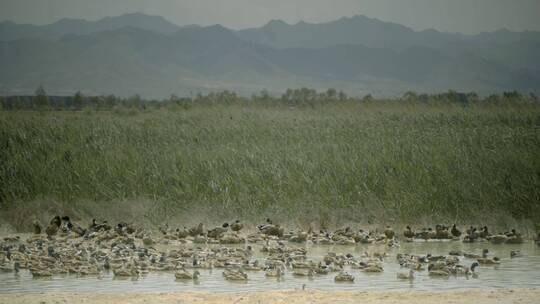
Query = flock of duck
x=64 y=247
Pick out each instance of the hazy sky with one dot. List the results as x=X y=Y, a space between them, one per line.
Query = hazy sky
x=467 y=16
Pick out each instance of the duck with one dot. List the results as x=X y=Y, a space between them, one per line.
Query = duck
x=36 y=227
x=126 y=271
x=515 y=254
x=217 y=232
x=406 y=275
x=373 y=268
x=73 y=227
x=441 y=232
x=41 y=271
x=484 y=260
x=235 y=275
x=463 y=270
x=273 y=230
x=438 y=270
x=439 y=273
x=408 y=233
x=251 y=267
x=237 y=226
x=53 y=226
x=515 y=238
x=498 y=238
x=10 y=267
x=455 y=232
x=484 y=233
x=274 y=272
x=303 y=272
x=267 y=223
x=183 y=274
x=389 y=233
x=198 y=230
x=344 y=277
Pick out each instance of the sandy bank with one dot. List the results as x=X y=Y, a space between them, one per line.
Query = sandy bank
x=288 y=297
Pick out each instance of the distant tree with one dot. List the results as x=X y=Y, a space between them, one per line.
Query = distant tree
x=331 y=94
x=512 y=96
x=473 y=97
x=78 y=100
x=41 y=99
x=110 y=101
x=367 y=98
x=410 y=96
x=533 y=97
x=342 y=96
x=18 y=104
x=174 y=99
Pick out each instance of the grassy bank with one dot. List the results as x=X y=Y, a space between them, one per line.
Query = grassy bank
x=367 y=162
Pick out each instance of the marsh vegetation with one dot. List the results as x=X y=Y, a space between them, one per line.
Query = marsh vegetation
x=302 y=158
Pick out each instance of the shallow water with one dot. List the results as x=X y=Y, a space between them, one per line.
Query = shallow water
x=522 y=272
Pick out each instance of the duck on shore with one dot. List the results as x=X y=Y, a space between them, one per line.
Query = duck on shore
x=408 y=233
x=36 y=227
x=237 y=226
x=53 y=226
x=455 y=232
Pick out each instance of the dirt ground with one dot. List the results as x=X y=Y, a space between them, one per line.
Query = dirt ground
x=287 y=297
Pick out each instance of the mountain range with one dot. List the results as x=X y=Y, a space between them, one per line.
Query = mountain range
x=150 y=56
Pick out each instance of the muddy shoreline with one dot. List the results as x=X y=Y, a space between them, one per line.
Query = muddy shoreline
x=289 y=297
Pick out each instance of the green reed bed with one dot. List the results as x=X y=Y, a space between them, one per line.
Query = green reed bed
x=376 y=162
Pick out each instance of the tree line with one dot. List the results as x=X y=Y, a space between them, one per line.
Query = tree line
x=292 y=97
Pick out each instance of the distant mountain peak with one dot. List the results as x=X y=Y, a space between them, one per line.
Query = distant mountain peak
x=276 y=22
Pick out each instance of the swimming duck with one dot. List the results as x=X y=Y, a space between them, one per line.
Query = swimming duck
x=303 y=272
x=10 y=267
x=374 y=268
x=515 y=254
x=462 y=270
x=438 y=270
x=183 y=274
x=484 y=260
x=344 y=277
x=406 y=276
x=275 y=272
x=129 y=271
x=439 y=273
x=235 y=275
x=39 y=271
